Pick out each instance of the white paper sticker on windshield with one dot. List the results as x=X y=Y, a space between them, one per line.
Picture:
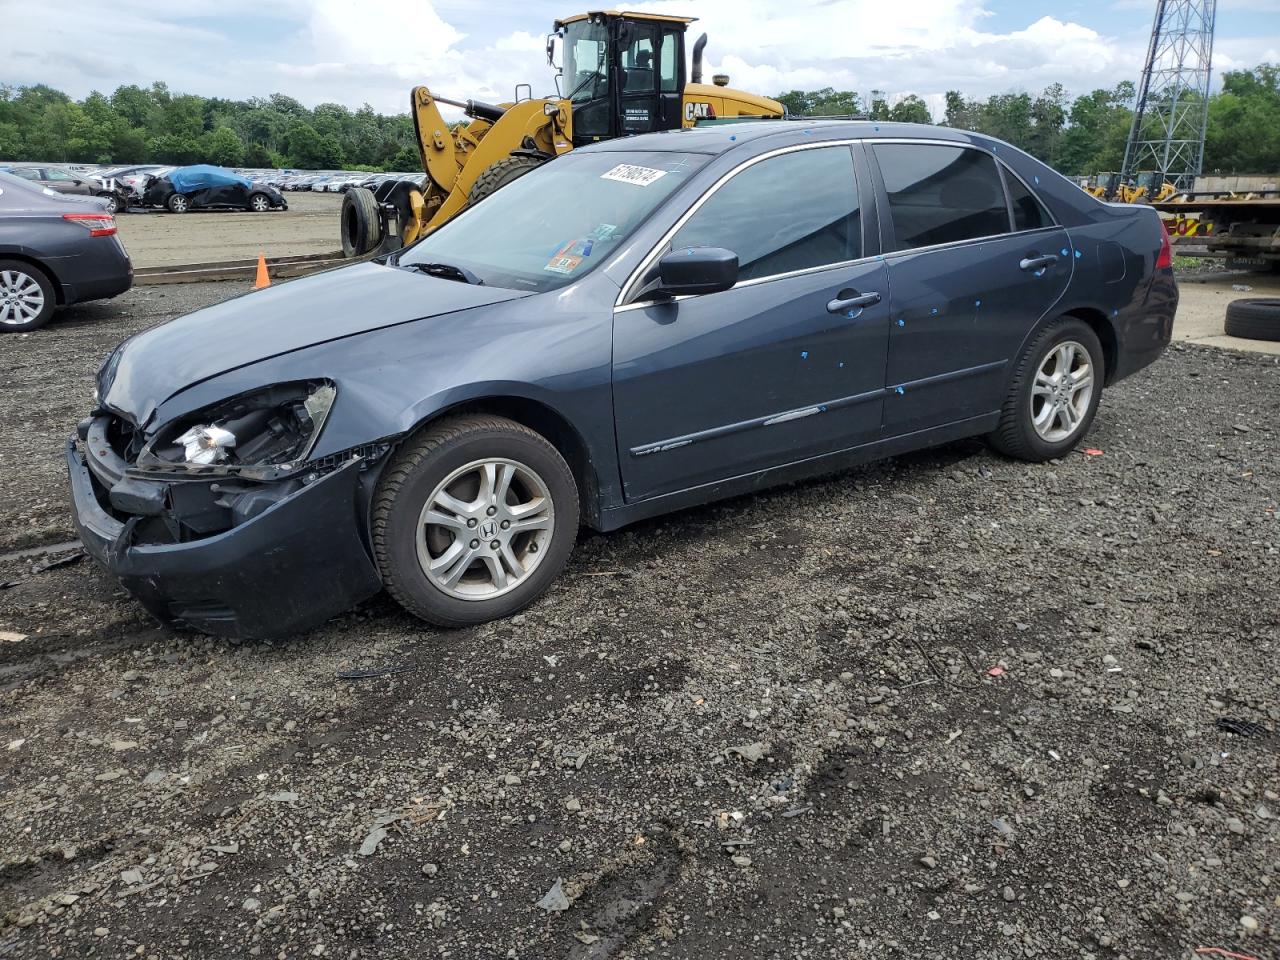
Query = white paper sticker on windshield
x=630 y=173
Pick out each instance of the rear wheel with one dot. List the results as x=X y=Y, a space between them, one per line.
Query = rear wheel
x=259 y=202
x=361 y=223
x=473 y=520
x=1053 y=394
x=500 y=174
x=177 y=203
x=26 y=297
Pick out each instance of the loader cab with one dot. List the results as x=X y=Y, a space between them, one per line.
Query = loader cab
x=623 y=73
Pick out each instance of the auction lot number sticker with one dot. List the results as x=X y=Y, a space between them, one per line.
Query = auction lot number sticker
x=630 y=173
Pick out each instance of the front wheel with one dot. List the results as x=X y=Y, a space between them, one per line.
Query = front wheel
x=177 y=203
x=113 y=202
x=473 y=520
x=259 y=203
x=1053 y=394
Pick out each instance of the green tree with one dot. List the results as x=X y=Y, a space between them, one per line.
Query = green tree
x=174 y=148
x=1244 y=122
x=222 y=147
x=911 y=109
x=311 y=151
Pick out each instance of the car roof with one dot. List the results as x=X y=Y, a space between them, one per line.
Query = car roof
x=722 y=137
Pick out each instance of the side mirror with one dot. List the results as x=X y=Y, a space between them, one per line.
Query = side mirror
x=696 y=270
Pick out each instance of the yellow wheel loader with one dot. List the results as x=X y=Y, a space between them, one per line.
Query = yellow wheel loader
x=621 y=74
x=1149 y=188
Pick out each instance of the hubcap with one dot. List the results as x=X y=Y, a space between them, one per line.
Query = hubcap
x=1062 y=390
x=21 y=298
x=260 y=203
x=485 y=529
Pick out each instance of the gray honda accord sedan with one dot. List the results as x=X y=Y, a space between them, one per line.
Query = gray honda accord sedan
x=633 y=328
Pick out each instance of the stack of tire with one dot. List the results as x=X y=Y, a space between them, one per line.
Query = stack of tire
x=1255 y=318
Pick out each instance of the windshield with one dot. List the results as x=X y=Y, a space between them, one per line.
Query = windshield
x=586 y=58
x=553 y=225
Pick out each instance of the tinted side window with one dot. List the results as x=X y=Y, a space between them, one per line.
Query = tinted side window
x=941 y=194
x=1028 y=212
x=790 y=212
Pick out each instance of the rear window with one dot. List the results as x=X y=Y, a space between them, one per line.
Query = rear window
x=941 y=194
x=1028 y=212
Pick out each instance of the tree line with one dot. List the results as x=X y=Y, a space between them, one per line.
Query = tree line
x=152 y=124
x=1086 y=135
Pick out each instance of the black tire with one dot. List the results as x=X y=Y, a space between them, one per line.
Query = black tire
x=1256 y=318
x=177 y=203
x=113 y=202
x=17 y=274
x=411 y=478
x=361 y=224
x=258 y=203
x=1016 y=435
x=500 y=174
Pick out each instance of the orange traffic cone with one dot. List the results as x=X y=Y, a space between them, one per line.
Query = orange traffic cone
x=262 y=279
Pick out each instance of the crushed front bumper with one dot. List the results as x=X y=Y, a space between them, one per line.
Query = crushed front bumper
x=287 y=569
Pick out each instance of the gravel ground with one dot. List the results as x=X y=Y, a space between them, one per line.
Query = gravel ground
x=947 y=705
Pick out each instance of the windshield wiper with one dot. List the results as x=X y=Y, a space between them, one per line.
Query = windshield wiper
x=446 y=271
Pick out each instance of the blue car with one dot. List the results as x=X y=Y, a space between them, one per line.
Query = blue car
x=635 y=327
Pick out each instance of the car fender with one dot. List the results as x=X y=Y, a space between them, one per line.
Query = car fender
x=17 y=251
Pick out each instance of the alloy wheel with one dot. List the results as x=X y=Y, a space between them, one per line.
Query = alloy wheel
x=1061 y=392
x=485 y=529
x=21 y=299
x=261 y=204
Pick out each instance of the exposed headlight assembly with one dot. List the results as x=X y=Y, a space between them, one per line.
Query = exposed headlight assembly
x=262 y=435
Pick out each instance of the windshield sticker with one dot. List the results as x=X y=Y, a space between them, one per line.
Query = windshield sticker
x=566 y=264
x=603 y=231
x=630 y=173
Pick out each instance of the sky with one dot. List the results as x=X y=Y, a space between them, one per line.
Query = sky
x=374 y=51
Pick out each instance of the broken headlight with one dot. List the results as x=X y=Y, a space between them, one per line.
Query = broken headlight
x=265 y=434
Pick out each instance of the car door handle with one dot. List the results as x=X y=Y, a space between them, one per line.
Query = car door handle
x=1038 y=263
x=856 y=302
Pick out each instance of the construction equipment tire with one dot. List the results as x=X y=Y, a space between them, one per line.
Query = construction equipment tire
x=500 y=174
x=361 y=224
x=1256 y=318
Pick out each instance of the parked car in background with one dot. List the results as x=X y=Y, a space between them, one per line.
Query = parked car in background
x=55 y=250
x=132 y=177
x=699 y=328
x=55 y=178
x=117 y=195
x=205 y=187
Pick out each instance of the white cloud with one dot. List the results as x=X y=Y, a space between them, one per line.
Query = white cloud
x=353 y=51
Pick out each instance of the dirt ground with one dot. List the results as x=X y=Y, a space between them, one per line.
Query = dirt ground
x=947 y=705
x=158 y=238
x=1203 y=306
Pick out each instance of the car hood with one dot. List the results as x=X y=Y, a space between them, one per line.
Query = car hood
x=153 y=366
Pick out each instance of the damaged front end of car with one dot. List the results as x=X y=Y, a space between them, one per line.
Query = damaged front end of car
x=221 y=520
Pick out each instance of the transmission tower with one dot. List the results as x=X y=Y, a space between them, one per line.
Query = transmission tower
x=1167 y=135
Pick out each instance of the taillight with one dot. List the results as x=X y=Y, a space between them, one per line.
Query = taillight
x=1164 y=259
x=98 y=224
